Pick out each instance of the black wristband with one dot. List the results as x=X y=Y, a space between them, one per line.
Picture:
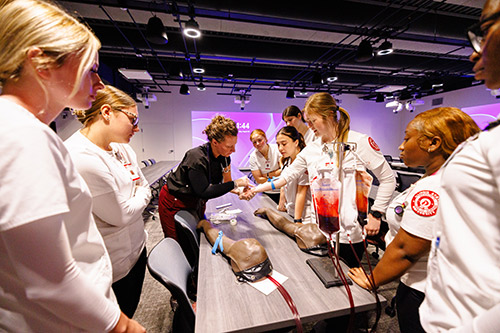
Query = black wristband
x=376 y=214
x=297 y=220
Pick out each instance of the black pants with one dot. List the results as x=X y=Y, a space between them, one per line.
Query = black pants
x=128 y=289
x=346 y=253
x=408 y=301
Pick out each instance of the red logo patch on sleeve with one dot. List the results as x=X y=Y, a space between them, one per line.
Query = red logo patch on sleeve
x=425 y=203
x=373 y=144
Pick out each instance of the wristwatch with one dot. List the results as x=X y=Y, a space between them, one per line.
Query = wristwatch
x=376 y=214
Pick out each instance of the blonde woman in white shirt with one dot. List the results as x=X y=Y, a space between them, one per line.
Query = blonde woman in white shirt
x=55 y=272
x=264 y=160
x=119 y=190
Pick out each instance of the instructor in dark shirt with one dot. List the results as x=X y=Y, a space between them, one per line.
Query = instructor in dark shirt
x=204 y=173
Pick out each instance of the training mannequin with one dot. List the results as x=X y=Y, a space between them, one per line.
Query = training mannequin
x=308 y=236
x=249 y=260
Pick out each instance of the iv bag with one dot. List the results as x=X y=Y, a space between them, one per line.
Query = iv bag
x=363 y=185
x=325 y=190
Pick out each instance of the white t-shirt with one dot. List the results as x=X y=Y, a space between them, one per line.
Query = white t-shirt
x=40 y=187
x=420 y=202
x=119 y=193
x=291 y=195
x=316 y=156
x=258 y=162
x=463 y=284
x=309 y=137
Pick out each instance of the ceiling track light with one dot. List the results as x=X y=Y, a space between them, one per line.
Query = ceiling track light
x=380 y=98
x=385 y=48
x=331 y=77
x=184 y=89
x=199 y=70
x=290 y=93
x=303 y=91
x=201 y=87
x=364 y=52
x=155 y=31
x=192 y=29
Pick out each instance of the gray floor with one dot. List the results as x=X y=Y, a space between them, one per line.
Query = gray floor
x=155 y=313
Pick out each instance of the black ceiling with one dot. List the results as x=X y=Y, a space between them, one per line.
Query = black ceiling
x=277 y=45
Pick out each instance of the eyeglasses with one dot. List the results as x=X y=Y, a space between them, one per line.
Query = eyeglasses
x=134 y=119
x=475 y=34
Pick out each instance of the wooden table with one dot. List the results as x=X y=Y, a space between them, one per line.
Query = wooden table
x=155 y=172
x=225 y=305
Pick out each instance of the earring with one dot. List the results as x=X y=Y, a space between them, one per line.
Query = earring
x=428 y=150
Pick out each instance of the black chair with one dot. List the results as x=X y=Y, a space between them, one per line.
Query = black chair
x=168 y=265
x=187 y=235
x=405 y=180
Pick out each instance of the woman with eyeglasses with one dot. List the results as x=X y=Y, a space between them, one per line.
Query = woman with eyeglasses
x=120 y=193
x=429 y=140
x=55 y=272
x=462 y=291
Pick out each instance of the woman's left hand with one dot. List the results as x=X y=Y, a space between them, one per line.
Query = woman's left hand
x=373 y=226
x=358 y=275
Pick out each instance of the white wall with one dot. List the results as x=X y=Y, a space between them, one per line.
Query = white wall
x=166 y=125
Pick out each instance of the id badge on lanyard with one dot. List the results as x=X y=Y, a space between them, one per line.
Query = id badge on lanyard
x=268 y=166
x=128 y=166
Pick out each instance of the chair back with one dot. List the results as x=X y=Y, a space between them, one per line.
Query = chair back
x=405 y=180
x=168 y=265
x=185 y=227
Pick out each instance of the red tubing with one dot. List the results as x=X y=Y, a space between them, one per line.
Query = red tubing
x=290 y=303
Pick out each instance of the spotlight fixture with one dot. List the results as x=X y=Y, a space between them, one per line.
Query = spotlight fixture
x=192 y=29
x=184 y=89
x=303 y=91
x=380 y=98
x=201 y=87
x=199 y=70
x=437 y=84
x=290 y=93
x=155 y=31
x=409 y=106
x=364 y=52
x=331 y=77
x=398 y=108
x=385 y=48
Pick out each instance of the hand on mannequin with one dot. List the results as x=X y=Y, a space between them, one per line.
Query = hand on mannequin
x=373 y=226
x=127 y=325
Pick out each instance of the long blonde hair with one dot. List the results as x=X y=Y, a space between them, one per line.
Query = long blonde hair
x=110 y=95
x=324 y=105
x=25 y=24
